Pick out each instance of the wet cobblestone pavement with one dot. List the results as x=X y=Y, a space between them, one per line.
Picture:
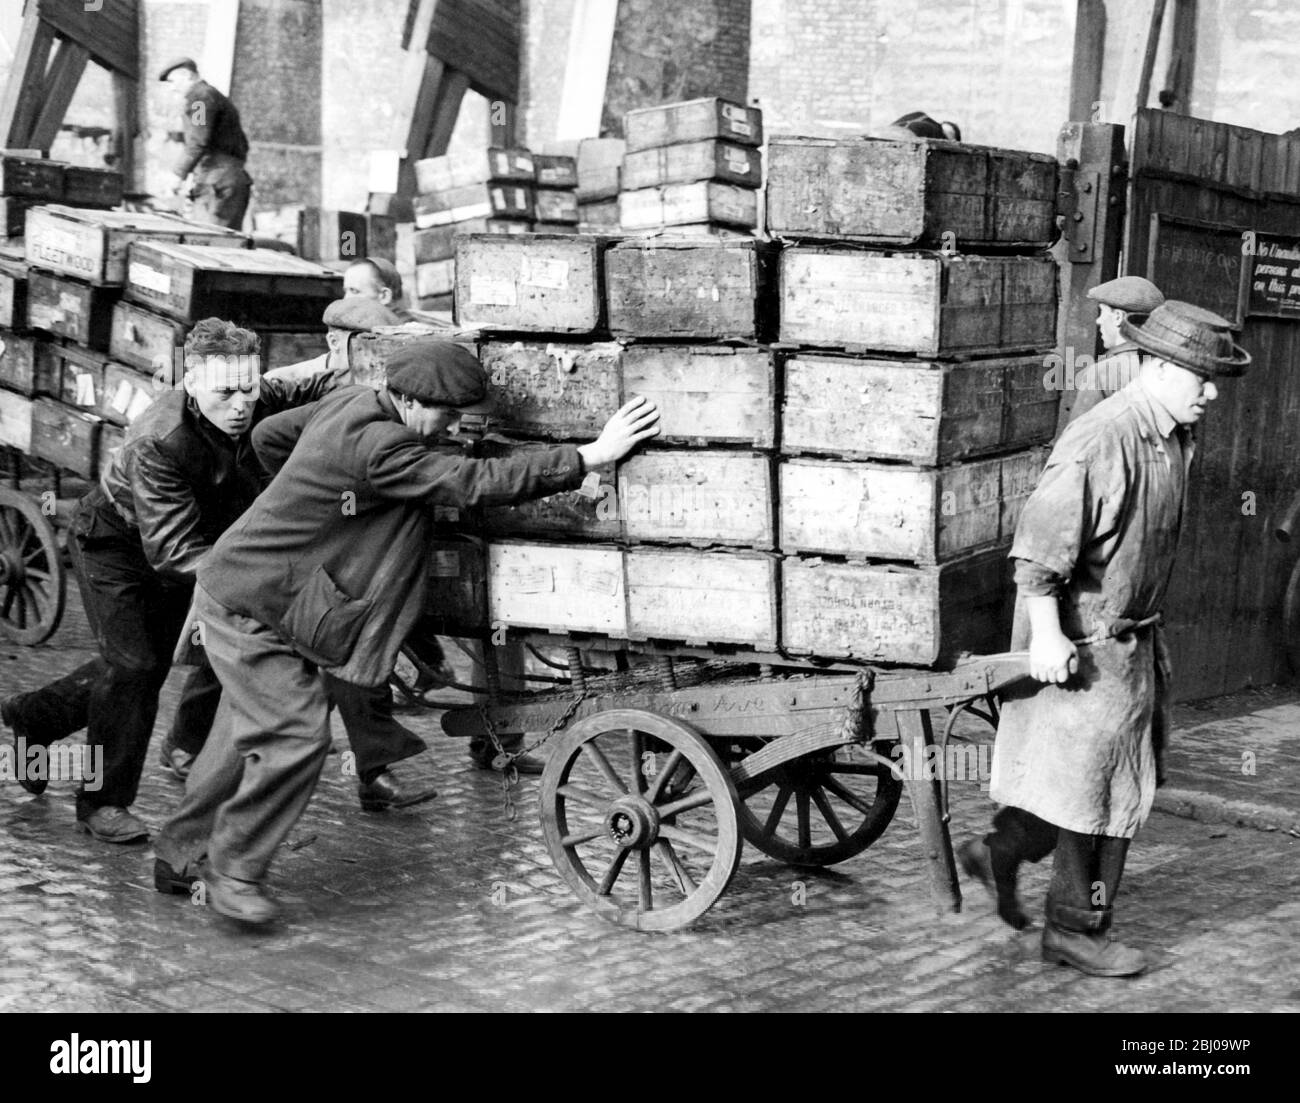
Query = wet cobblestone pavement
x=449 y=907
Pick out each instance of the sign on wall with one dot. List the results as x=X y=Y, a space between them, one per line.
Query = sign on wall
x=1199 y=262
x=1275 y=276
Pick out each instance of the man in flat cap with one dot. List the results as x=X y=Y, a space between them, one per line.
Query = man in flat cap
x=215 y=148
x=1118 y=366
x=1094 y=550
x=326 y=572
x=374 y=278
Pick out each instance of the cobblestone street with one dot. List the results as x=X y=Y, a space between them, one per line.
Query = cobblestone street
x=450 y=907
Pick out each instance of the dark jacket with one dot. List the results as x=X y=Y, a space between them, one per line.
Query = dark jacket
x=348 y=511
x=212 y=126
x=181 y=482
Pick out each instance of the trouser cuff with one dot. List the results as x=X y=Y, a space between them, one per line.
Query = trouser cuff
x=1069 y=918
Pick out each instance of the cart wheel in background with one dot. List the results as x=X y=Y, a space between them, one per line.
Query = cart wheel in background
x=820 y=809
x=640 y=818
x=32 y=579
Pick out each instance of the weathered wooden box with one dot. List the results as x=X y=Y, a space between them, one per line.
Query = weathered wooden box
x=554 y=170
x=924 y=616
x=690 y=121
x=889 y=511
x=437 y=277
x=91 y=187
x=13 y=294
x=81 y=312
x=281 y=348
x=697 y=497
x=1020 y=474
x=559 y=391
x=924 y=303
x=127 y=393
x=905 y=193
x=146 y=340
x=19 y=370
x=536 y=283
x=474 y=201
x=705 y=201
x=927 y=413
x=590 y=513
x=440 y=174
x=66 y=437
x=560 y=587
x=702 y=289
x=439 y=242
x=13 y=215
x=93 y=245
x=321 y=234
x=691 y=161
x=599 y=216
x=702 y=597
x=599 y=161
x=456 y=597
x=80 y=374
x=706 y=394
x=368 y=351
x=555 y=205
x=32 y=177
x=256 y=286
x=15 y=421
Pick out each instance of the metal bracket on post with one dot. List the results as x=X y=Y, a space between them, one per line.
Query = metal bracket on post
x=1081 y=227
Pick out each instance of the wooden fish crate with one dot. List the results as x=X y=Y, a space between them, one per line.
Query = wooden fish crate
x=537 y=283
x=929 y=304
x=699 y=497
x=559 y=587
x=553 y=170
x=599 y=162
x=127 y=393
x=13 y=294
x=910 y=193
x=587 y=514
x=456 y=594
x=702 y=598
x=80 y=374
x=555 y=205
x=440 y=174
x=91 y=187
x=368 y=351
x=13 y=215
x=510 y=201
x=895 y=512
x=691 y=121
x=281 y=348
x=701 y=289
x=19 y=367
x=146 y=340
x=923 y=412
x=554 y=390
x=439 y=242
x=923 y=616
x=710 y=159
x=706 y=394
x=81 y=312
x=599 y=216
x=93 y=245
x=435 y=278
x=66 y=437
x=705 y=201
x=15 y=421
x=31 y=177
x=259 y=286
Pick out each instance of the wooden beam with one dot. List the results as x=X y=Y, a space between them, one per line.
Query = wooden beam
x=65 y=75
x=451 y=92
x=24 y=91
x=1149 y=58
x=416 y=140
x=1181 y=73
x=1085 y=70
x=126 y=115
x=414 y=66
x=109 y=31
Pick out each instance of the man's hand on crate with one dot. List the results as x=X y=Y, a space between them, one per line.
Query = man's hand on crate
x=638 y=420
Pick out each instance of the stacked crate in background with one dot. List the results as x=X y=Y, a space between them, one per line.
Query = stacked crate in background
x=555 y=198
x=916 y=303
x=599 y=162
x=27 y=180
x=334 y=238
x=692 y=168
x=490 y=193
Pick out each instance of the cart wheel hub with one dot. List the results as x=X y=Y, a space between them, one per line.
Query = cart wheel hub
x=11 y=570
x=632 y=822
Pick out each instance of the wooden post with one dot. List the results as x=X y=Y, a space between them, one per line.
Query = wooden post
x=24 y=91
x=126 y=112
x=1094 y=152
x=1089 y=47
x=917 y=733
x=65 y=74
x=1149 y=58
x=1180 y=76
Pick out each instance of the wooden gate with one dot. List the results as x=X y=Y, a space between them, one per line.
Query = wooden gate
x=1214 y=218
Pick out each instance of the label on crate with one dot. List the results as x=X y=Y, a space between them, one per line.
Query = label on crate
x=597 y=581
x=44 y=315
x=62 y=248
x=493 y=291
x=446 y=563
x=737 y=162
x=534 y=579
x=83 y=389
x=550 y=274
x=143 y=276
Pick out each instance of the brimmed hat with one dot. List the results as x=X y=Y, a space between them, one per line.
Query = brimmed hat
x=1188 y=336
x=439 y=372
x=358 y=313
x=1131 y=294
x=179 y=63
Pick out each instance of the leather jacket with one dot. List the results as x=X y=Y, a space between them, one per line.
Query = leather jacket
x=181 y=482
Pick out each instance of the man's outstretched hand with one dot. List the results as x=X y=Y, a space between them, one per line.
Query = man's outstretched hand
x=638 y=420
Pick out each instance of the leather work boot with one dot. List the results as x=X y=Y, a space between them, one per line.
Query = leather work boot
x=387 y=791
x=1072 y=936
x=113 y=825
x=175 y=761
x=9 y=714
x=998 y=876
x=244 y=901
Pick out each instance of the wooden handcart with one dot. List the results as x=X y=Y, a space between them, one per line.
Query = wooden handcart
x=658 y=774
x=33 y=582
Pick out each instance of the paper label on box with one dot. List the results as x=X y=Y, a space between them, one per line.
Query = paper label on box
x=499 y=198
x=531 y=579
x=141 y=400
x=737 y=126
x=733 y=112
x=141 y=275
x=521 y=199
x=83 y=390
x=544 y=272
x=43 y=315
x=121 y=400
x=737 y=162
x=525 y=164
x=597 y=580
x=446 y=563
x=492 y=291
x=69 y=304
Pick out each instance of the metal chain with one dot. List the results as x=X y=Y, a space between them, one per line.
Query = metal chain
x=509 y=771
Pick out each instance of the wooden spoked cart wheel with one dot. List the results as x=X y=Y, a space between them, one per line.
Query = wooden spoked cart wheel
x=32 y=580
x=640 y=818
x=820 y=809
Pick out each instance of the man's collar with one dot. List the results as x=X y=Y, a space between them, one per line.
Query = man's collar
x=1153 y=411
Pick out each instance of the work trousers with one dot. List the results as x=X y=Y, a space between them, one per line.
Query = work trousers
x=221 y=192
x=1086 y=874
x=257 y=771
x=1020 y=836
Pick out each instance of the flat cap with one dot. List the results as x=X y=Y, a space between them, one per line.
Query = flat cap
x=387 y=272
x=179 y=63
x=358 y=313
x=439 y=372
x=1131 y=294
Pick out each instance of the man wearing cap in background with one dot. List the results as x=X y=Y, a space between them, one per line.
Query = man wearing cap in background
x=1118 y=366
x=215 y=148
x=1094 y=550
x=185 y=471
x=327 y=571
x=378 y=279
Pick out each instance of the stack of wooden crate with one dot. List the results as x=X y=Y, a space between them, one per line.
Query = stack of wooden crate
x=599 y=163
x=692 y=167
x=488 y=193
x=27 y=180
x=555 y=199
x=330 y=237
